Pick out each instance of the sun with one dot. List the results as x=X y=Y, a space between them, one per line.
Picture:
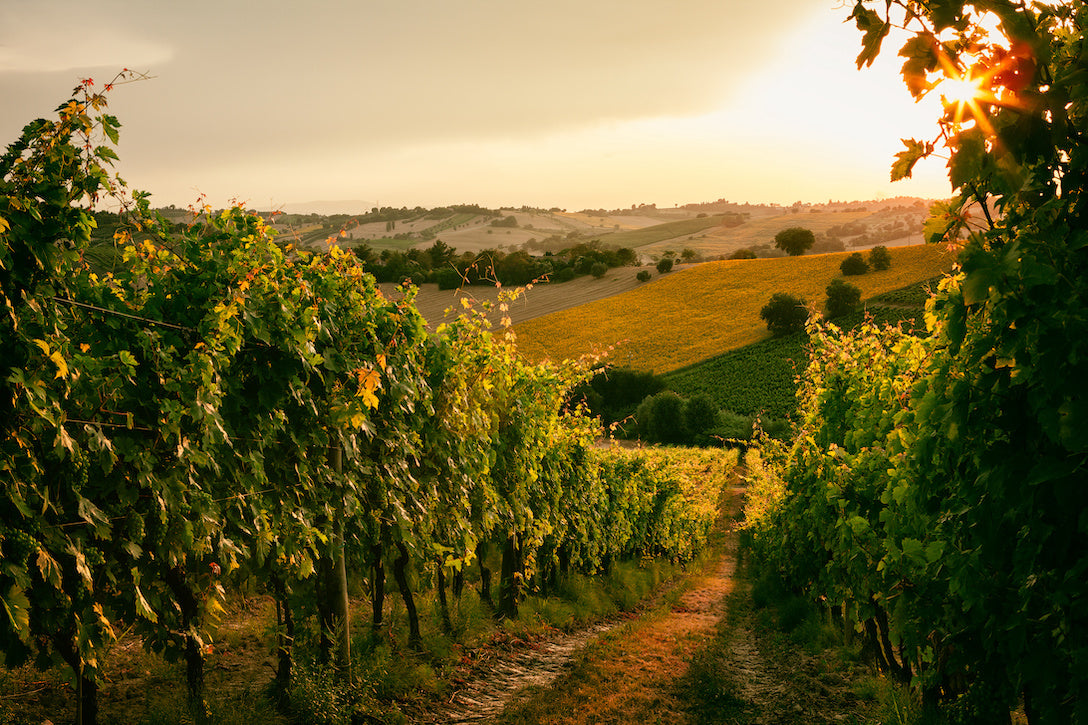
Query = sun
x=964 y=90
x=963 y=96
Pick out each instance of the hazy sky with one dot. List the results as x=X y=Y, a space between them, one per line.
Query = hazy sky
x=569 y=103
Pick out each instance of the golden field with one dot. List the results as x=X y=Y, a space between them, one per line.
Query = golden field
x=688 y=316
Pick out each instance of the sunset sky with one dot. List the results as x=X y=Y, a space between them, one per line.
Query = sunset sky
x=575 y=104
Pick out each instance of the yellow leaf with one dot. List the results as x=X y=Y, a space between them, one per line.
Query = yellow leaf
x=62 y=366
x=369 y=399
x=43 y=345
x=84 y=347
x=381 y=362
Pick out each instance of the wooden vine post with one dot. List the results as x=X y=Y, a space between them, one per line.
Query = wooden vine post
x=337 y=604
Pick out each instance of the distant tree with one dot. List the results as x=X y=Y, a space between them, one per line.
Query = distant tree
x=689 y=254
x=441 y=254
x=794 y=241
x=854 y=264
x=666 y=418
x=599 y=270
x=842 y=297
x=510 y=221
x=743 y=253
x=784 y=314
x=364 y=252
x=700 y=417
x=665 y=265
x=626 y=257
x=643 y=276
x=879 y=258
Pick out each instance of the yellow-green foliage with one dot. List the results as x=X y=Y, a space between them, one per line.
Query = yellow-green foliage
x=689 y=484
x=689 y=316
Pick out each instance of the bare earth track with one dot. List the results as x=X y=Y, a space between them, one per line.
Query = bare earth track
x=639 y=671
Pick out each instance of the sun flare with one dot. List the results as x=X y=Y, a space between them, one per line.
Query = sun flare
x=964 y=95
x=964 y=90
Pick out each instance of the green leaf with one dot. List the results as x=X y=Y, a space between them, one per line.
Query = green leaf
x=968 y=162
x=944 y=13
x=105 y=152
x=905 y=160
x=144 y=609
x=912 y=548
x=94 y=516
x=875 y=29
x=920 y=52
x=976 y=286
x=17 y=607
x=49 y=568
x=110 y=125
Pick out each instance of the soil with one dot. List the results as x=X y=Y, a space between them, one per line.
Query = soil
x=640 y=670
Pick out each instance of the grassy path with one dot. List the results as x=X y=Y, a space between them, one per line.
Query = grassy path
x=704 y=654
x=633 y=672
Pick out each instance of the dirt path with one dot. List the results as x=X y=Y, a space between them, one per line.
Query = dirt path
x=632 y=673
x=624 y=672
x=640 y=671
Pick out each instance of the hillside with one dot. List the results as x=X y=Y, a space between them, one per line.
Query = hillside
x=542 y=299
x=712 y=230
x=705 y=310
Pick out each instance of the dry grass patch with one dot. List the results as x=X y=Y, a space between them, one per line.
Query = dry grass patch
x=689 y=316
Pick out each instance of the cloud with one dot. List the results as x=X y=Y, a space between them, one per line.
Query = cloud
x=253 y=79
x=52 y=37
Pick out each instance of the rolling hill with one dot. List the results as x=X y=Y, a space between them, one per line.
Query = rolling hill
x=707 y=309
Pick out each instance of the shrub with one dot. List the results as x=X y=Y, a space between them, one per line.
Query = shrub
x=842 y=297
x=879 y=258
x=784 y=314
x=661 y=418
x=615 y=393
x=854 y=264
x=566 y=274
x=734 y=426
x=643 y=276
x=665 y=265
x=743 y=253
x=599 y=270
x=447 y=278
x=700 y=418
